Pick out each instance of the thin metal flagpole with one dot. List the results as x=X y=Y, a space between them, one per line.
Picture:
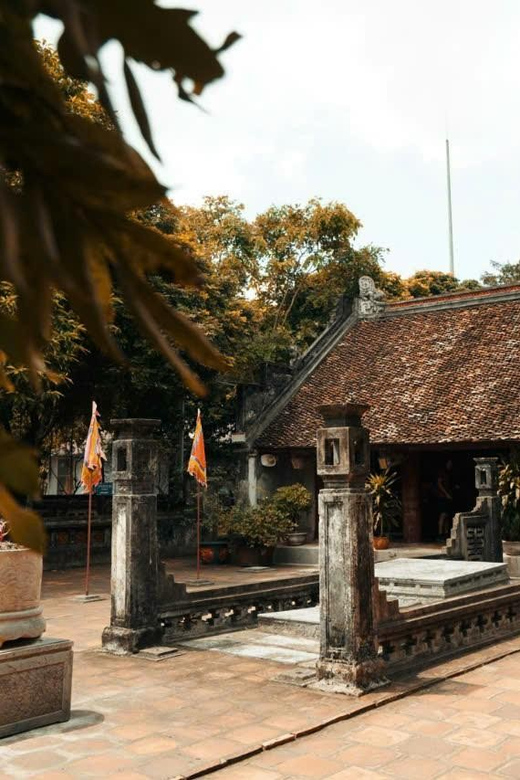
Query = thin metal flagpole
x=89 y=522
x=198 y=530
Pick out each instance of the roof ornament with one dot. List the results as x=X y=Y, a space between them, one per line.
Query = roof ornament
x=370 y=302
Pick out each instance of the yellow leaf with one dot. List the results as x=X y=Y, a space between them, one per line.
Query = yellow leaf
x=25 y=526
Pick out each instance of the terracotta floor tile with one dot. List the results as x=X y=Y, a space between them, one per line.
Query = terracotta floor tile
x=308 y=765
x=431 y=728
x=480 y=760
x=471 y=704
x=253 y=734
x=356 y=773
x=166 y=766
x=475 y=738
x=378 y=735
x=38 y=759
x=511 y=769
x=253 y=773
x=99 y=766
x=52 y=775
x=465 y=774
x=365 y=756
x=151 y=745
x=413 y=768
x=511 y=727
x=213 y=748
x=479 y=720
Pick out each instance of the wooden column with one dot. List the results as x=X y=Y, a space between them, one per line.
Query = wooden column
x=412 y=529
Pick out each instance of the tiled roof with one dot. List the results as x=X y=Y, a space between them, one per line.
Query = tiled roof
x=448 y=373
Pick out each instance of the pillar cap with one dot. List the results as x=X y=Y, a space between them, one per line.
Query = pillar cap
x=340 y=415
x=134 y=427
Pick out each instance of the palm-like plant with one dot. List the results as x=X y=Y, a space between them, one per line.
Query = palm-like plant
x=386 y=506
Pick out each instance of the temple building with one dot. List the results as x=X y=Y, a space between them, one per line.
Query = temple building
x=441 y=376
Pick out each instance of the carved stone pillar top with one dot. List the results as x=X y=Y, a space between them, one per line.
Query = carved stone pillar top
x=486 y=476
x=343 y=457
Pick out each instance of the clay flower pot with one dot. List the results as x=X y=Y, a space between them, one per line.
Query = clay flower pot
x=381 y=542
x=20 y=588
x=214 y=552
x=296 y=538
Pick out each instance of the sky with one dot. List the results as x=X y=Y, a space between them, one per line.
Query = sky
x=352 y=101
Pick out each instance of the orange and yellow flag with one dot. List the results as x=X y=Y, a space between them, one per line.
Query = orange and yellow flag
x=197 y=462
x=92 y=471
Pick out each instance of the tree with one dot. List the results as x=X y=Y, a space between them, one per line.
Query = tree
x=67 y=222
x=425 y=283
x=503 y=273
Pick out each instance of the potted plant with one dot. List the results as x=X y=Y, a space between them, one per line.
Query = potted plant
x=509 y=492
x=254 y=531
x=213 y=548
x=292 y=500
x=20 y=588
x=386 y=507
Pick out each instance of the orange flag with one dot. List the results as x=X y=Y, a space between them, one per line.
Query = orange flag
x=92 y=472
x=197 y=462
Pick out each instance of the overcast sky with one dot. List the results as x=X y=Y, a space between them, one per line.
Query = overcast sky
x=352 y=101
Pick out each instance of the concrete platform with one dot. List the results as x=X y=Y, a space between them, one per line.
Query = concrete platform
x=308 y=554
x=435 y=580
x=414 y=581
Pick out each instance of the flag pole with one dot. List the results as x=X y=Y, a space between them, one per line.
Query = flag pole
x=198 y=530
x=89 y=522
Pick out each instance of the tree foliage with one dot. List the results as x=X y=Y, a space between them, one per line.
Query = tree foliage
x=71 y=186
x=423 y=284
x=502 y=273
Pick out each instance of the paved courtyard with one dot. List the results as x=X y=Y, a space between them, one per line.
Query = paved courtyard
x=204 y=710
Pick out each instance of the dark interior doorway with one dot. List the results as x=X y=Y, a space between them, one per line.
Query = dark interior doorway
x=461 y=481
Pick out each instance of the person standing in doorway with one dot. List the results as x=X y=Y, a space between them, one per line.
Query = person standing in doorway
x=445 y=498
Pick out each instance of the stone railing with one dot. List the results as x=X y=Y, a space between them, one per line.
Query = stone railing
x=219 y=610
x=422 y=634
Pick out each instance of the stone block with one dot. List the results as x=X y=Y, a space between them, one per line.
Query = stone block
x=35 y=684
x=435 y=580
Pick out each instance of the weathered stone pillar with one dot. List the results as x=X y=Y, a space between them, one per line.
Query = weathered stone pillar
x=348 y=660
x=135 y=559
x=488 y=501
x=411 y=499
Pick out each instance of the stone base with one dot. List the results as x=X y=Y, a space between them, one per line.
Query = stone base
x=126 y=641
x=35 y=684
x=26 y=624
x=435 y=580
x=349 y=677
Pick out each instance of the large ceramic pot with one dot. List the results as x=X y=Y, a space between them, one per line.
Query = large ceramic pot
x=381 y=542
x=214 y=552
x=254 y=556
x=20 y=589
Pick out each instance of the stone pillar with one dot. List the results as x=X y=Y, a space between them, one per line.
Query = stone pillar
x=252 y=478
x=411 y=499
x=488 y=501
x=348 y=661
x=135 y=560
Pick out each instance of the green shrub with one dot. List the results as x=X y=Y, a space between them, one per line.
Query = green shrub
x=291 y=500
x=257 y=526
x=509 y=492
